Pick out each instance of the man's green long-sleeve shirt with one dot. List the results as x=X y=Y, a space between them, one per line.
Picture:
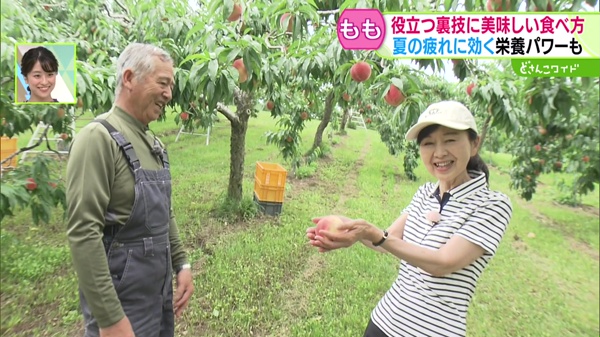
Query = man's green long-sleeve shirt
x=99 y=180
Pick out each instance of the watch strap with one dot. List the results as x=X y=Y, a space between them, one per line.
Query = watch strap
x=385 y=236
x=182 y=267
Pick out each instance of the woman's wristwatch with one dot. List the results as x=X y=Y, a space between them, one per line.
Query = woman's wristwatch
x=385 y=236
x=182 y=267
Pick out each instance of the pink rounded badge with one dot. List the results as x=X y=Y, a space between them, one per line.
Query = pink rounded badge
x=361 y=29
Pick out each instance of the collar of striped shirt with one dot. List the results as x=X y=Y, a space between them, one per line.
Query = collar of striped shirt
x=463 y=190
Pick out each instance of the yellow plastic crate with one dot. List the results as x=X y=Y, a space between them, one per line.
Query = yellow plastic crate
x=266 y=193
x=270 y=174
x=8 y=146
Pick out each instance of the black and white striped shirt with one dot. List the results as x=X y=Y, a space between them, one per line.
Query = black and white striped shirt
x=419 y=304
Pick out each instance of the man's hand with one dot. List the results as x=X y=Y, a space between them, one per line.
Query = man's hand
x=120 y=329
x=185 y=288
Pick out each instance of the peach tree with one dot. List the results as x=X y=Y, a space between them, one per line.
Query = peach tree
x=558 y=133
x=100 y=33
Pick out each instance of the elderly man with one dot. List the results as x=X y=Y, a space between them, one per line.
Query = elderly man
x=121 y=229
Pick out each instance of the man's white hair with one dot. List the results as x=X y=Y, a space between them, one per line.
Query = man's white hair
x=138 y=58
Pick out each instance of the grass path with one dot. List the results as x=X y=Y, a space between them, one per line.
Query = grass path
x=297 y=296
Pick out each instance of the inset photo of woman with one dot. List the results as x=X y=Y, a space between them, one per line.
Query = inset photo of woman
x=45 y=73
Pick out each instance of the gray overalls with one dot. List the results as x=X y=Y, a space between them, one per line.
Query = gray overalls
x=138 y=253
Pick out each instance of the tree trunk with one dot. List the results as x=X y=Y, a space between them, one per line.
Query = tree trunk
x=485 y=127
x=243 y=102
x=344 y=120
x=324 y=122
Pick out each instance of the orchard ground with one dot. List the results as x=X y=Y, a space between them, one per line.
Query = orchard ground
x=260 y=277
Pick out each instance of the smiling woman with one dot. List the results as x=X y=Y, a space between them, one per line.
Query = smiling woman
x=45 y=74
x=445 y=237
x=39 y=68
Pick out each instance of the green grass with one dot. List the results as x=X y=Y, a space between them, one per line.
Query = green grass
x=260 y=278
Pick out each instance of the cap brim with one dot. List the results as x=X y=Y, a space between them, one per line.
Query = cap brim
x=413 y=132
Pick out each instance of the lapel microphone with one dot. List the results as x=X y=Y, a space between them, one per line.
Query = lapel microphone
x=156 y=150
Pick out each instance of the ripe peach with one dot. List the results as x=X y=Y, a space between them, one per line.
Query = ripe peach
x=270 y=105
x=329 y=223
x=394 y=96
x=470 y=88
x=31 y=184
x=239 y=65
x=236 y=13
x=360 y=71
x=290 y=25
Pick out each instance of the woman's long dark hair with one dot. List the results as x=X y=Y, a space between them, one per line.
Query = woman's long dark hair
x=475 y=163
x=48 y=61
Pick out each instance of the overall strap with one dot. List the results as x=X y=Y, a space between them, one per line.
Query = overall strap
x=123 y=143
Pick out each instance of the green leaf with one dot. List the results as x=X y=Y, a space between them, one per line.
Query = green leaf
x=469 y=5
x=233 y=54
x=448 y=4
x=398 y=83
x=213 y=67
x=541 y=4
x=498 y=90
x=210 y=89
x=201 y=57
x=348 y=4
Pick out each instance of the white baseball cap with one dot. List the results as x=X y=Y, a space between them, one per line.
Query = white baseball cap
x=451 y=114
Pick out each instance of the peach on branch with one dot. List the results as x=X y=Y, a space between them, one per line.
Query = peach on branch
x=290 y=22
x=239 y=65
x=236 y=13
x=360 y=71
x=470 y=88
x=394 y=96
x=31 y=184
